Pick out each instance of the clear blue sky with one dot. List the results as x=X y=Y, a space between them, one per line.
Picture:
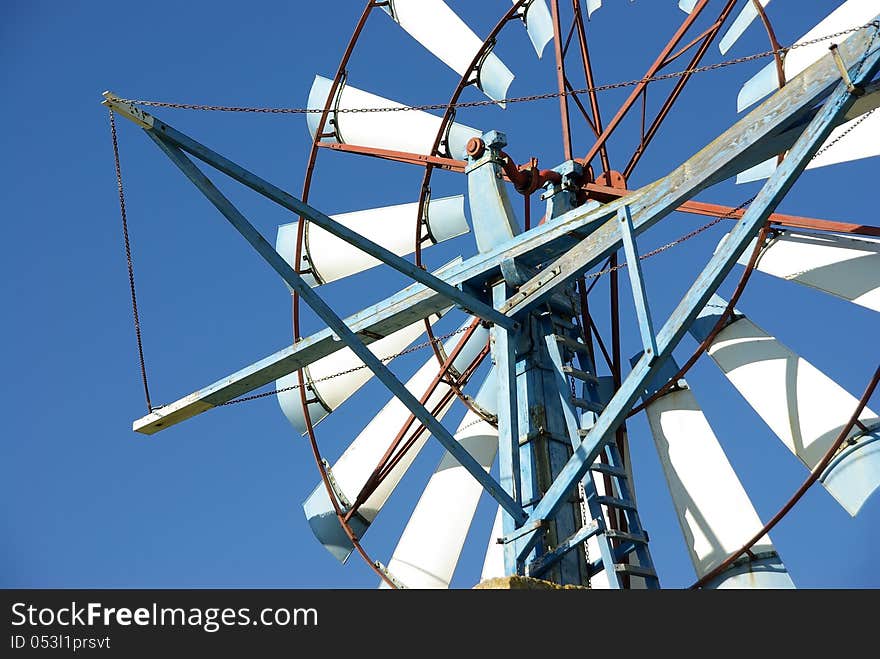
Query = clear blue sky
x=215 y=502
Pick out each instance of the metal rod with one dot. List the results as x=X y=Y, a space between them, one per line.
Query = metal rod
x=774 y=42
x=604 y=193
x=679 y=87
x=591 y=83
x=560 y=81
x=798 y=495
x=170 y=135
x=656 y=66
x=334 y=322
x=637 y=281
x=720 y=324
x=707 y=282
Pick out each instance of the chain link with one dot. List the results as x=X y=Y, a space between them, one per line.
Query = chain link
x=514 y=99
x=414 y=348
x=127 y=242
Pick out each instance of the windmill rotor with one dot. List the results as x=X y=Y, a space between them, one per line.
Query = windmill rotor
x=516 y=353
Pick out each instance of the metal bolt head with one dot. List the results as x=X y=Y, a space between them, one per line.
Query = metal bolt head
x=475 y=147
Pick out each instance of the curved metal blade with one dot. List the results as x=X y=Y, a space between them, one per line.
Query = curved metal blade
x=539 y=24
x=440 y=30
x=849 y=141
x=359 y=460
x=326 y=390
x=713 y=509
x=327 y=258
x=850 y=14
x=493 y=563
x=429 y=548
x=412 y=131
x=801 y=405
x=740 y=24
x=843 y=266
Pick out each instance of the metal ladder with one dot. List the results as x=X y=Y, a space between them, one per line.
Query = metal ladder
x=615 y=546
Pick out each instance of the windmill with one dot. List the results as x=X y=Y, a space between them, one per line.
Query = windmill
x=524 y=359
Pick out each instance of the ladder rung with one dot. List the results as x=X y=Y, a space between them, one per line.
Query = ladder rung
x=614 y=502
x=640 y=538
x=611 y=470
x=635 y=570
x=579 y=374
x=571 y=343
x=586 y=404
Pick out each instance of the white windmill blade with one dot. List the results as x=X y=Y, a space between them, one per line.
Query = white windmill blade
x=539 y=24
x=429 y=548
x=853 y=140
x=493 y=563
x=440 y=30
x=687 y=6
x=593 y=5
x=326 y=257
x=850 y=14
x=843 y=266
x=325 y=390
x=740 y=24
x=714 y=512
x=412 y=131
x=355 y=465
x=801 y=405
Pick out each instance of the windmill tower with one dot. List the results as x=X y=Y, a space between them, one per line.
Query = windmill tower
x=544 y=395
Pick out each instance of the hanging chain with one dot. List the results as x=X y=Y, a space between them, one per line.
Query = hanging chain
x=593 y=275
x=134 y=305
x=514 y=99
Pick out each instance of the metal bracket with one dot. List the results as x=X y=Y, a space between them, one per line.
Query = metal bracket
x=537 y=525
x=844 y=73
x=640 y=295
x=128 y=110
x=384 y=570
x=548 y=560
x=337 y=491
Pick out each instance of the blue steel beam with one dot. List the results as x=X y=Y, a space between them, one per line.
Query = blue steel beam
x=637 y=281
x=701 y=291
x=335 y=323
x=733 y=150
x=720 y=159
x=468 y=302
x=503 y=345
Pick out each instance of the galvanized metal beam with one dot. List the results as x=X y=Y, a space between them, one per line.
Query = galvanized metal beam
x=468 y=302
x=637 y=281
x=707 y=282
x=713 y=163
x=335 y=323
x=544 y=242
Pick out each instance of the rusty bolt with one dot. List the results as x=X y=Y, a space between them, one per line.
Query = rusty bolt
x=475 y=147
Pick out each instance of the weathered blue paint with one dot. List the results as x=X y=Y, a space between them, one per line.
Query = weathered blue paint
x=288 y=201
x=492 y=215
x=335 y=323
x=637 y=281
x=854 y=473
x=722 y=158
x=503 y=346
x=706 y=284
